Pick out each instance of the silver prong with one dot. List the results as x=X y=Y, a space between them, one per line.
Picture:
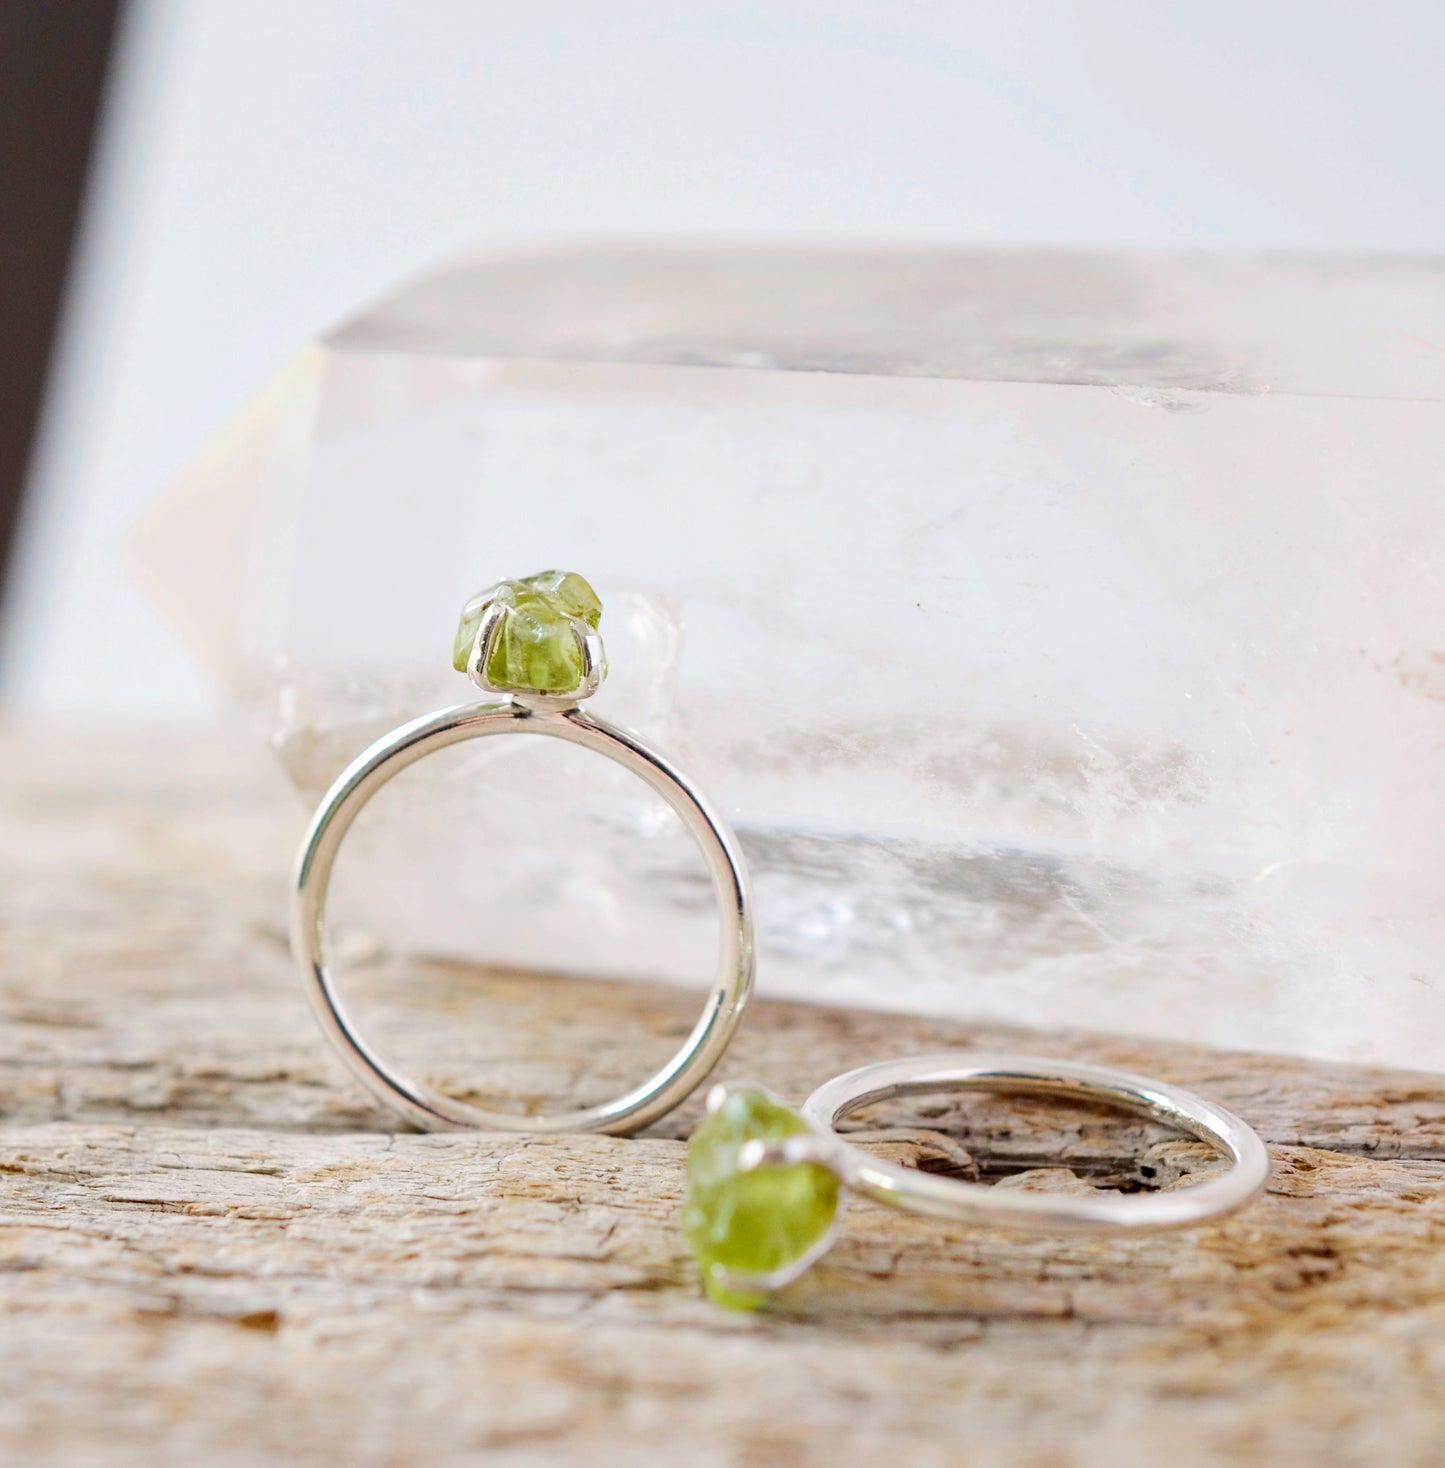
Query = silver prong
x=763 y=1284
x=482 y=643
x=716 y=1095
x=589 y=643
x=594 y=660
x=789 y=1152
x=756 y=1153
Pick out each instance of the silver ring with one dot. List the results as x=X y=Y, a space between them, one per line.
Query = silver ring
x=903 y=1187
x=551 y=712
x=767 y=1186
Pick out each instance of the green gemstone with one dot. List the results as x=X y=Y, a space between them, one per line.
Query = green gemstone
x=751 y=1222
x=535 y=646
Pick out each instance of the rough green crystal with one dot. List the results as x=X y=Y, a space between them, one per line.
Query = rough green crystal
x=751 y=1222
x=534 y=647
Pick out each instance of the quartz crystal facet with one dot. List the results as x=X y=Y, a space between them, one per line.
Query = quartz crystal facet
x=535 y=647
x=754 y=1222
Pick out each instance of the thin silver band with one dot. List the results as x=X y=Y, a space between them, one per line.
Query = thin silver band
x=951 y=1198
x=420 y=1103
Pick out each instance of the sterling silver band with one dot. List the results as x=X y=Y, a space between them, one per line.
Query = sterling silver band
x=978 y=1203
x=420 y=1103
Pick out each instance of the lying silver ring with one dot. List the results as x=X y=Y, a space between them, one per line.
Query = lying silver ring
x=766 y=1185
x=904 y=1187
x=551 y=711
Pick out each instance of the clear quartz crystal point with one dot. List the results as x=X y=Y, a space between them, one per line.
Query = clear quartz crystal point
x=1065 y=633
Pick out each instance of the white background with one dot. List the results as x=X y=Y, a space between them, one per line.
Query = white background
x=268 y=165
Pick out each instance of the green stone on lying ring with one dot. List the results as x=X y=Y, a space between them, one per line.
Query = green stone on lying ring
x=752 y=1222
x=535 y=646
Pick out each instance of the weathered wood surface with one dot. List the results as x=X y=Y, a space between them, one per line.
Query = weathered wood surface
x=214 y=1250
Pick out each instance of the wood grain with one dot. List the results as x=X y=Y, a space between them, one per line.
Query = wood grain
x=214 y=1249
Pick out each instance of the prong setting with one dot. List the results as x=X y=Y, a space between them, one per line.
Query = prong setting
x=779 y=1279
x=482 y=641
x=790 y=1152
x=764 y=1186
x=589 y=647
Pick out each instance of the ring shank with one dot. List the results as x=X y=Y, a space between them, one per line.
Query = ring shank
x=951 y=1198
x=422 y=1104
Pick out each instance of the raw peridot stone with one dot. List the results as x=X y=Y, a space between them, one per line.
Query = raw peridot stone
x=534 y=647
x=751 y=1222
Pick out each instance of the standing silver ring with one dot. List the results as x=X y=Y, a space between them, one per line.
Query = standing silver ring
x=534 y=641
x=766 y=1185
